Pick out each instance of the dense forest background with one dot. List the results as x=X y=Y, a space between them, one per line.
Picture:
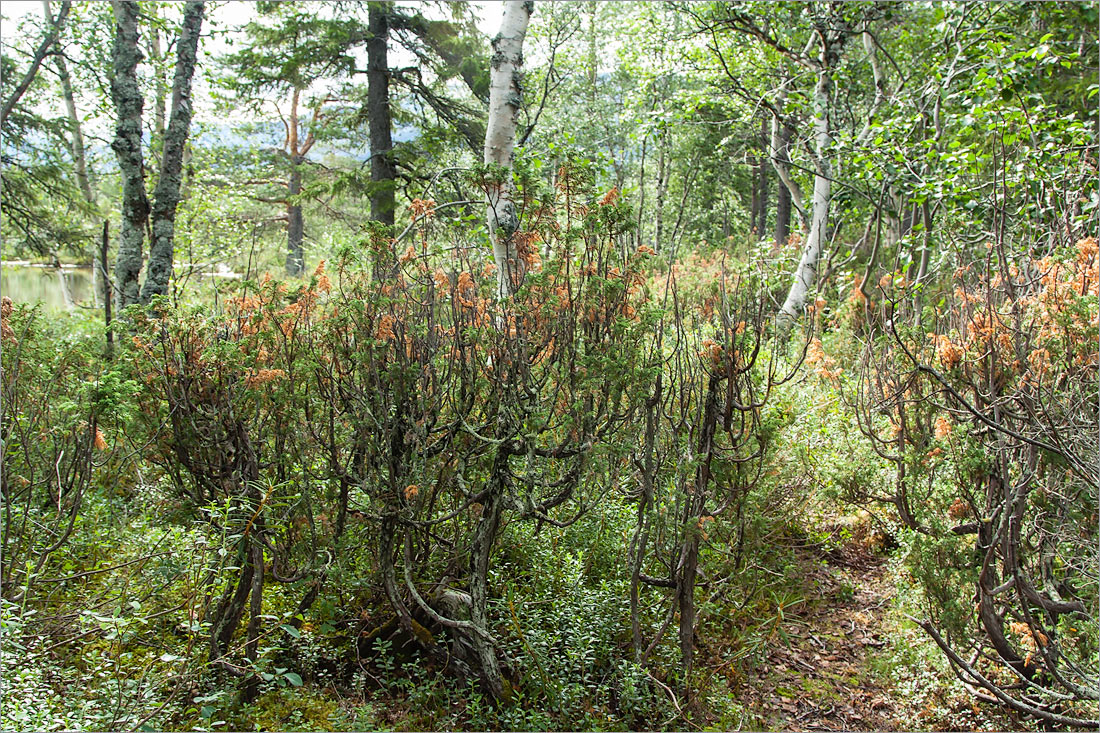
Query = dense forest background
x=573 y=365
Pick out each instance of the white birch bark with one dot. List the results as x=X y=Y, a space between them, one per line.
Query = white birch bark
x=806 y=275
x=505 y=100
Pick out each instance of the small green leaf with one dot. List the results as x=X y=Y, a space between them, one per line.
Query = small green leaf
x=292 y=631
x=293 y=678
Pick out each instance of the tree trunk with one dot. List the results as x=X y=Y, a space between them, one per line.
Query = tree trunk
x=382 y=170
x=780 y=153
x=167 y=195
x=762 y=198
x=80 y=165
x=782 y=212
x=80 y=158
x=806 y=274
x=662 y=190
x=593 y=58
x=295 y=228
x=481 y=550
x=160 y=93
x=127 y=146
x=106 y=278
x=754 y=213
x=505 y=100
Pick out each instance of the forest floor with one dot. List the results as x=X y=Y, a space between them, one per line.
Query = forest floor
x=819 y=677
x=830 y=667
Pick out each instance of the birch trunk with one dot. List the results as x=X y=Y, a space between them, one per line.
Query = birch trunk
x=806 y=274
x=505 y=100
x=295 y=226
x=127 y=146
x=167 y=195
x=80 y=158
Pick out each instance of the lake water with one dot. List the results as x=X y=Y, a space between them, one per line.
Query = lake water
x=71 y=287
x=56 y=289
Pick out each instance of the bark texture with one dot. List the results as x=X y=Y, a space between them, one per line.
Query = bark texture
x=295 y=227
x=763 y=196
x=783 y=205
x=382 y=170
x=167 y=194
x=127 y=146
x=505 y=100
x=806 y=274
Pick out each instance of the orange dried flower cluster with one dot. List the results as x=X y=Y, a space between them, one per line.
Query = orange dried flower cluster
x=422 y=208
x=959 y=509
x=1087 y=250
x=464 y=285
x=943 y=427
x=323 y=283
x=264 y=376
x=385 y=327
x=99 y=441
x=815 y=308
x=1030 y=639
x=950 y=353
x=702 y=524
x=823 y=364
x=712 y=351
x=7 y=333
x=527 y=247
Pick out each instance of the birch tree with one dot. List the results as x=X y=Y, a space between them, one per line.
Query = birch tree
x=53 y=30
x=505 y=101
x=129 y=105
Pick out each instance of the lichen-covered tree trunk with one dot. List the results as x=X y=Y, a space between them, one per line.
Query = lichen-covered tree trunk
x=295 y=226
x=806 y=275
x=505 y=100
x=382 y=170
x=128 y=104
x=167 y=196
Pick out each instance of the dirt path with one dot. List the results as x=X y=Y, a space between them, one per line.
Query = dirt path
x=819 y=677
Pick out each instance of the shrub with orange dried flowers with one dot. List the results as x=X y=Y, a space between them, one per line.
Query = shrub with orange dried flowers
x=997 y=415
